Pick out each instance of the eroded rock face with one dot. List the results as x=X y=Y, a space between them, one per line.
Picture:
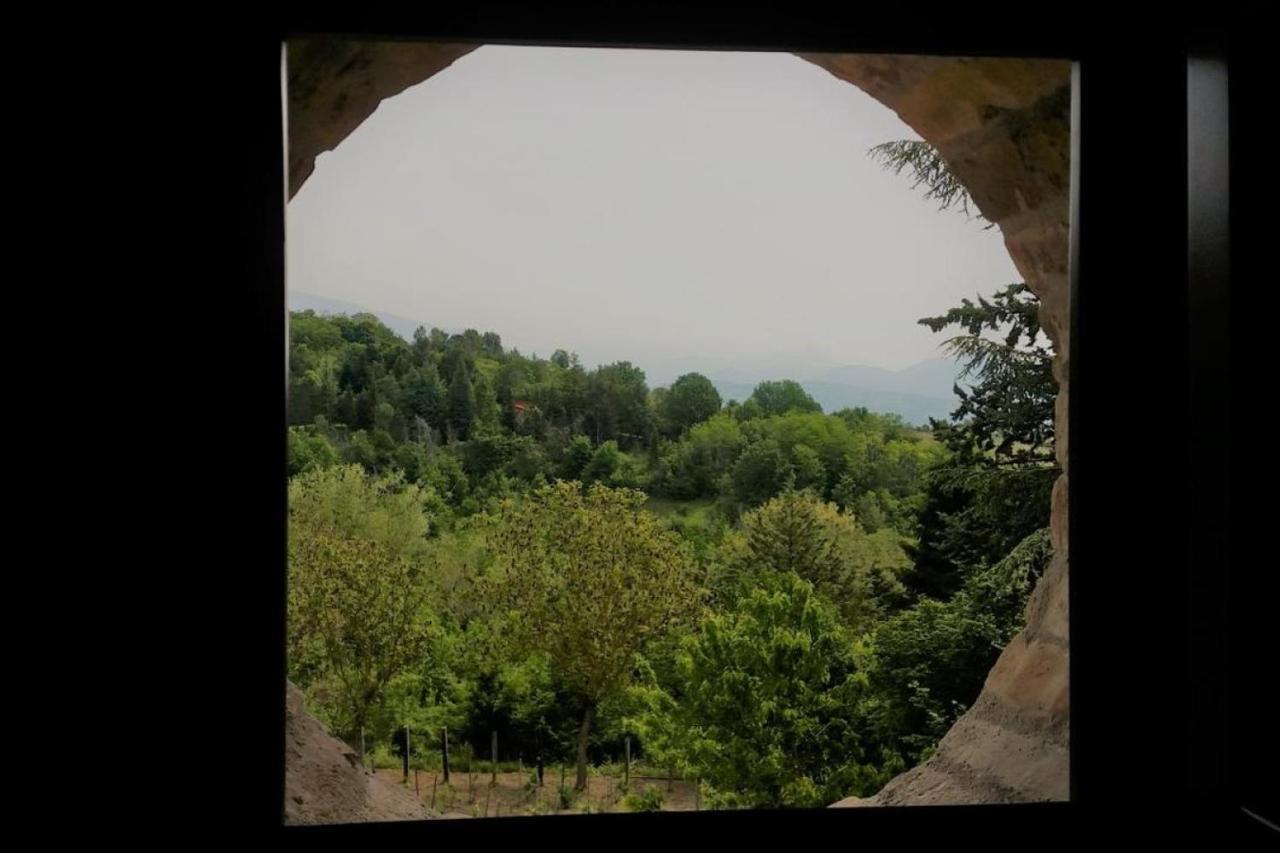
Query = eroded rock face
x=334 y=84
x=1003 y=128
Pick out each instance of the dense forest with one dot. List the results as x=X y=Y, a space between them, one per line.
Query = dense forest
x=788 y=606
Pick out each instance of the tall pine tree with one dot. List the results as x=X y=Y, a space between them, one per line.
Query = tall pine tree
x=462 y=402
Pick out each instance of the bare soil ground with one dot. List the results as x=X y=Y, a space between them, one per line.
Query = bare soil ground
x=474 y=796
x=325 y=782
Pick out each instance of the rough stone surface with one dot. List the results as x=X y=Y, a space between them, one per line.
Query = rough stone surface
x=1003 y=128
x=334 y=84
x=324 y=779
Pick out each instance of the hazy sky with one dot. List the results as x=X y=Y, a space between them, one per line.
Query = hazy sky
x=652 y=206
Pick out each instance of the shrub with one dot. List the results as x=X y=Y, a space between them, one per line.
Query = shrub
x=383 y=758
x=648 y=800
x=568 y=796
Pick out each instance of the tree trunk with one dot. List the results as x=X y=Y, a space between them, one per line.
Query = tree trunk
x=357 y=731
x=581 y=784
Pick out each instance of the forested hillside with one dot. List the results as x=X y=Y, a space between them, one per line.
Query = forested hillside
x=783 y=605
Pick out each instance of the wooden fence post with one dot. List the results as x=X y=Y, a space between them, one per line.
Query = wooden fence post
x=444 y=751
x=626 y=767
x=494 y=765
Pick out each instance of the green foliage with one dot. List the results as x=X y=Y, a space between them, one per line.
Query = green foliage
x=770 y=716
x=356 y=619
x=761 y=472
x=1009 y=412
x=696 y=465
x=995 y=489
x=617 y=404
x=797 y=532
x=778 y=398
x=588 y=578
x=576 y=458
x=426 y=396
x=933 y=658
x=603 y=464
x=613 y=467
x=345 y=502
x=309 y=450
x=462 y=402
x=648 y=800
x=691 y=400
x=928 y=168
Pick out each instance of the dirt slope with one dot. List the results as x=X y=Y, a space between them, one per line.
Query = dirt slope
x=324 y=782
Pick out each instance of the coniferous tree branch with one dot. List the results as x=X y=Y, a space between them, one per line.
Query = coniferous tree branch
x=927 y=168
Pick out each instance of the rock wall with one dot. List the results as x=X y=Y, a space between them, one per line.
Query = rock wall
x=334 y=84
x=1003 y=128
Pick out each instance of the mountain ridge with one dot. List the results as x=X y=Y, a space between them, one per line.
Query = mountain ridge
x=917 y=392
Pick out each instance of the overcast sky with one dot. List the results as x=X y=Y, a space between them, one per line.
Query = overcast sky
x=652 y=206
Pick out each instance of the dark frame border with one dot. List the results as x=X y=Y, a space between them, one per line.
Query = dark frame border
x=1132 y=734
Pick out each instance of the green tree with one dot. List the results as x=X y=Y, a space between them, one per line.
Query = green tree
x=487 y=410
x=576 y=458
x=695 y=466
x=427 y=397
x=996 y=487
x=928 y=168
x=509 y=385
x=356 y=619
x=761 y=472
x=749 y=410
x=346 y=503
x=588 y=579
x=309 y=450
x=778 y=398
x=808 y=468
x=798 y=532
x=462 y=401
x=603 y=464
x=771 y=715
x=691 y=399
x=933 y=658
x=1008 y=413
x=618 y=404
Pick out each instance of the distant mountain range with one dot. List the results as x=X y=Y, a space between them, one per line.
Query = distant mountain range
x=917 y=393
x=915 y=408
